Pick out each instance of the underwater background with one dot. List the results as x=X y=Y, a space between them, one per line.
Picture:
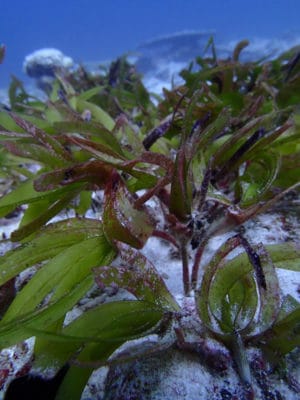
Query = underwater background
x=97 y=30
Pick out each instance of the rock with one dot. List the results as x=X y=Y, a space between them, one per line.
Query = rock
x=160 y=60
x=180 y=375
x=42 y=65
x=45 y=62
x=171 y=375
x=180 y=47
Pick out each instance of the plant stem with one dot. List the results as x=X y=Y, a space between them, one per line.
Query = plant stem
x=197 y=260
x=185 y=268
x=239 y=355
x=165 y=236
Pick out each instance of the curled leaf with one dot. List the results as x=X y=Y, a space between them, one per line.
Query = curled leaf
x=121 y=220
x=95 y=172
x=239 y=48
x=260 y=173
x=157 y=133
x=181 y=190
x=227 y=300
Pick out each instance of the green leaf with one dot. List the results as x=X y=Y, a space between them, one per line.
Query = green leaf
x=25 y=194
x=258 y=177
x=99 y=150
x=52 y=240
x=112 y=324
x=285 y=255
x=25 y=325
x=284 y=335
x=8 y=123
x=116 y=321
x=17 y=94
x=39 y=213
x=106 y=325
x=88 y=94
x=60 y=275
x=50 y=143
x=34 y=152
x=289 y=304
x=75 y=381
x=97 y=112
x=91 y=129
x=85 y=201
x=137 y=275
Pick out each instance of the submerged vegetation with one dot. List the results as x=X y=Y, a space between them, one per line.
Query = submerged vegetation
x=210 y=154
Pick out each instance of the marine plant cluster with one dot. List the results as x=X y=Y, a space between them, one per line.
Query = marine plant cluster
x=211 y=154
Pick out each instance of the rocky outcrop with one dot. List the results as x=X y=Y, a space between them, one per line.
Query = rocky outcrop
x=44 y=63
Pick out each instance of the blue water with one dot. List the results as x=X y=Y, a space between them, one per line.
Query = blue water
x=89 y=30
